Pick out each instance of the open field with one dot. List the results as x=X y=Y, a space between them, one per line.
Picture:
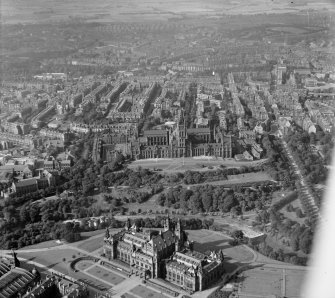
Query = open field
x=143 y=10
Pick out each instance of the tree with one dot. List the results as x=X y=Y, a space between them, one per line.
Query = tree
x=34 y=214
x=289 y=208
x=207 y=201
x=294 y=243
x=299 y=213
x=305 y=243
x=24 y=214
x=195 y=204
x=237 y=234
x=229 y=202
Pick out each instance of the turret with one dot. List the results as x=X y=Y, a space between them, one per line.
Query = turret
x=190 y=245
x=167 y=224
x=134 y=228
x=200 y=276
x=179 y=232
x=127 y=226
x=177 y=245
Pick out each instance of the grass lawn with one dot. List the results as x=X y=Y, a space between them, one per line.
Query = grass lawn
x=206 y=240
x=53 y=259
x=250 y=177
x=92 y=233
x=266 y=280
x=277 y=244
x=145 y=292
x=93 y=244
x=262 y=281
x=94 y=282
x=264 y=259
x=146 y=206
x=83 y=264
x=292 y=215
x=294 y=282
x=189 y=163
x=44 y=244
x=105 y=275
x=127 y=295
x=279 y=195
x=94 y=239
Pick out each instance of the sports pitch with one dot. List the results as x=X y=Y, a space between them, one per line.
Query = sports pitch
x=266 y=281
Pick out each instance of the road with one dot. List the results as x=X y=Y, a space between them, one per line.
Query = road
x=257 y=261
x=306 y=192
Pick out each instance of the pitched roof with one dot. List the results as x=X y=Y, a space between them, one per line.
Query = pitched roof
x=198 y=130
x=162 y=241
x=26 y=182
x=155 y=132
x=13 y=281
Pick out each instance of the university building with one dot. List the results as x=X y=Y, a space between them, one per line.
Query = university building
x=169 y=143
x=166 y=254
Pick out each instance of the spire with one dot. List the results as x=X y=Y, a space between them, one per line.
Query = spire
x=107 y=235
x=221 y=255
x=16 y=260
x=127 y=226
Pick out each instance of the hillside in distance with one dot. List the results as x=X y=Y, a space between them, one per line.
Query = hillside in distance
x=46 y=11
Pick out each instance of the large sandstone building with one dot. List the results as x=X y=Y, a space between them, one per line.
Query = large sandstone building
x=167 y=254
x=169 y=143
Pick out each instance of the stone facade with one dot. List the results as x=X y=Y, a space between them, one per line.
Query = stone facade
x=173 y=143
x=165 y=254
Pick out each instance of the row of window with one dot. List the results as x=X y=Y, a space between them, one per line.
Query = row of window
x=142 y=265
x=174 y=276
